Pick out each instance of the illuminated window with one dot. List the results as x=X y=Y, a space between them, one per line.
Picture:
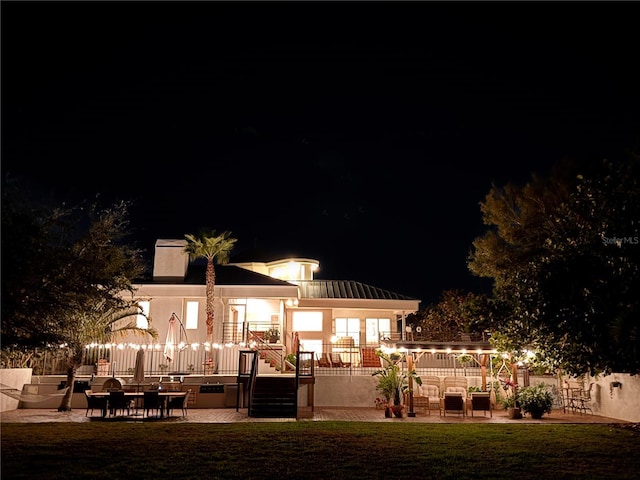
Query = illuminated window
x=192 y=316
x=307 y=321
x=141 y=320
x=348 y=327
x=315 y=346
x=377 y=328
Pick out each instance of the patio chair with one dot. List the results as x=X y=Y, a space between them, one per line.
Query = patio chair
x=180 y=402
x=453 y=402
x=324 y=361
x=369 y=357
x=95 y=403
x=426 y=397
x=118 y=401
x=336 y=361
x=151 y=401
x=481 y=401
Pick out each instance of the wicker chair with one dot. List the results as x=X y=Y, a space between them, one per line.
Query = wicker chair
x=95 y=403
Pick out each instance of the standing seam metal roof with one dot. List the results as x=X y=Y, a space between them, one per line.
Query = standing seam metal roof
x=345 y=289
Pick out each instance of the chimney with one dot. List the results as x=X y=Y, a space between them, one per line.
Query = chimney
x=171 y=261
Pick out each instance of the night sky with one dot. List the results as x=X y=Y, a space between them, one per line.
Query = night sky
x=361 y=134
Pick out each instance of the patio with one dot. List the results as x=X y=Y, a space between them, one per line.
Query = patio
x=364 y=414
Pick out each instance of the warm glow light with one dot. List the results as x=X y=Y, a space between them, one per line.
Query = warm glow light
x=334 y=339
x=448 y=350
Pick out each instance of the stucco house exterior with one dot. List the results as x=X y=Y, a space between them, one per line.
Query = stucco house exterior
x=251 y=298
x=342 y=318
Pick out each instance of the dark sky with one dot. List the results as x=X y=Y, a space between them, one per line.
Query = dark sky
x=361 y=134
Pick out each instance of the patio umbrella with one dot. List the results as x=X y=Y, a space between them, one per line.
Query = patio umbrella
x=296 y=343
x=138 y=371
x=170 y=342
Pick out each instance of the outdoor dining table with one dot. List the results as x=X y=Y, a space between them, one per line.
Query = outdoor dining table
x=164 y=396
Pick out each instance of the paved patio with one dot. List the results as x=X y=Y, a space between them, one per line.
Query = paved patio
x=229 y=415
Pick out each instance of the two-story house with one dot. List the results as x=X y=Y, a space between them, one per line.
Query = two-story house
x=252 y=298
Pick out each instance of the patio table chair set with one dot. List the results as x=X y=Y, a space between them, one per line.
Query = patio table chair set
x=117 y=402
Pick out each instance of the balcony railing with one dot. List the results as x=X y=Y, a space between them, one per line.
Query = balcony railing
x=351 y=360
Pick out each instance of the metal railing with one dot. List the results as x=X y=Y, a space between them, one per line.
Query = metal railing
x=120 y=361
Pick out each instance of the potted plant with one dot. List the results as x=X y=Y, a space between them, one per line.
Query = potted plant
x=535 y=400
x=393 y=383
x=510 y=401
x=272 y=335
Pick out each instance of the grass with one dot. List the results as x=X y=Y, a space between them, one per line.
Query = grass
x=318 y=450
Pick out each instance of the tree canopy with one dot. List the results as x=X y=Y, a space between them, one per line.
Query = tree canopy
x=564 y=255
x=457 y=312
x=67 y=277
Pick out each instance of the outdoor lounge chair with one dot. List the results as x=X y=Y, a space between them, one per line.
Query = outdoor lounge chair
x=324 y=360
x=369 y=357
x=336 y=361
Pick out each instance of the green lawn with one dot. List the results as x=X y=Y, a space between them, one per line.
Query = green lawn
x=318 y=450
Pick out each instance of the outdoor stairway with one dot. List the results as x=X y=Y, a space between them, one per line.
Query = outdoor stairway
x=274 y=397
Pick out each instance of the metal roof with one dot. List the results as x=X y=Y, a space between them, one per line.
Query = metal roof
x=345 y=289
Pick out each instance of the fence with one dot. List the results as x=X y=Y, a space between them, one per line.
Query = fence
x=119 y=360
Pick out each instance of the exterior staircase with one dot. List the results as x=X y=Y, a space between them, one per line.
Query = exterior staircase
x=274 y=397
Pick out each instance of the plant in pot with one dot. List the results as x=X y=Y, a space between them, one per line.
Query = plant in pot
x=535 y=400
x=272 y=335
x=393 y=383
x=510 y=400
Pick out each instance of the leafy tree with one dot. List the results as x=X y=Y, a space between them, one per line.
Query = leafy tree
x=457 y=312
x=67 y=279
x=564 y=254
x=214 y=248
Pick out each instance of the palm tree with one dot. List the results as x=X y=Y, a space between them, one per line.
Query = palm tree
x=212 y=247
x=102 y=324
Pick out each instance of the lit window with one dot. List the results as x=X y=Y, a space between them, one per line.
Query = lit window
x=377 y=328
x=307 y=321
x=142 y=320
x=314 y=346
x=192 y=316
x=348 y=327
